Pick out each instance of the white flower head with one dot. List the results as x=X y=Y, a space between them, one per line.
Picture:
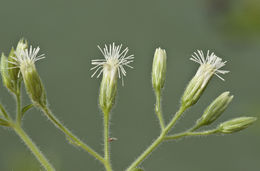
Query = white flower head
x=211 y=61
x=26 y=57
x=114 y=58
x=209 y=66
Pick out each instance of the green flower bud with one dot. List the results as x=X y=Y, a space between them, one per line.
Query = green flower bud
x=12 y=69
x=33 y=84
x=21 y=46
x=108 y=88
x=215 y=109
x=14 y=72
x=209 y=66
x=159 y=69
x=5 y=74
x=236 y=124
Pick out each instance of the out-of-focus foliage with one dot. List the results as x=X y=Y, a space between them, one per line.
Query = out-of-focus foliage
x=236 y=18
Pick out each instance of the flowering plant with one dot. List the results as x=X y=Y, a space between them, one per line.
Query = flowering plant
x=19 y=67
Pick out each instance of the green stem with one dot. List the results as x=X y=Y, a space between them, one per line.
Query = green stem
x=157 y=142
x=29 y=143
x=106 y=136
x=70 y=135
x=5 y=114
x=106 y=142
x=183 y=134
x=18 y=112
x=158 y=109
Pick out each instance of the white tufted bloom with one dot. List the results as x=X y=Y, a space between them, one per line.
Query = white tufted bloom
x=114 y=58
x=209 y=66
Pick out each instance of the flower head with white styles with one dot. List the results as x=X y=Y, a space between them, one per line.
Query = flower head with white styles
x=114 y=58
x=211 y=62
x=209 y=66
x=25 y=58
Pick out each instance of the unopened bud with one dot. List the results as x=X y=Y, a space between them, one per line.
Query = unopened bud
x=159 y=69
x=108 y=87
x=5 y=74
x=215 y=109
x=236 y=124
x=13 y=69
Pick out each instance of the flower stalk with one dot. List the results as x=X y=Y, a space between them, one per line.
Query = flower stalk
x=111 y=67
x=71 y=136
x=33 y=148
x=158 y=141
x=158 y=80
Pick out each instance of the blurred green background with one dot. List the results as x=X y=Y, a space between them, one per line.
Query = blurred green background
x=68 y=33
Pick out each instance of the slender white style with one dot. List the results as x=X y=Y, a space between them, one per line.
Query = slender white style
x=26 y=57
x=115 y=58
x=211 y=60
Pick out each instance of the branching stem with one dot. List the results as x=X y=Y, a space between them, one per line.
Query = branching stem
x=158 y=141
x=184 y=134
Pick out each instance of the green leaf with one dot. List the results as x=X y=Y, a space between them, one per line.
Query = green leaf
x=26 y=108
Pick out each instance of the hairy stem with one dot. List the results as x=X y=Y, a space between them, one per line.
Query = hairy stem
x=158 y=141
x=18 y=108
x=184 y=134
x=70 y=135
x=34 y=149
x=5 y=114
x=106 y=136
x=106 y=142
x=158 y=109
